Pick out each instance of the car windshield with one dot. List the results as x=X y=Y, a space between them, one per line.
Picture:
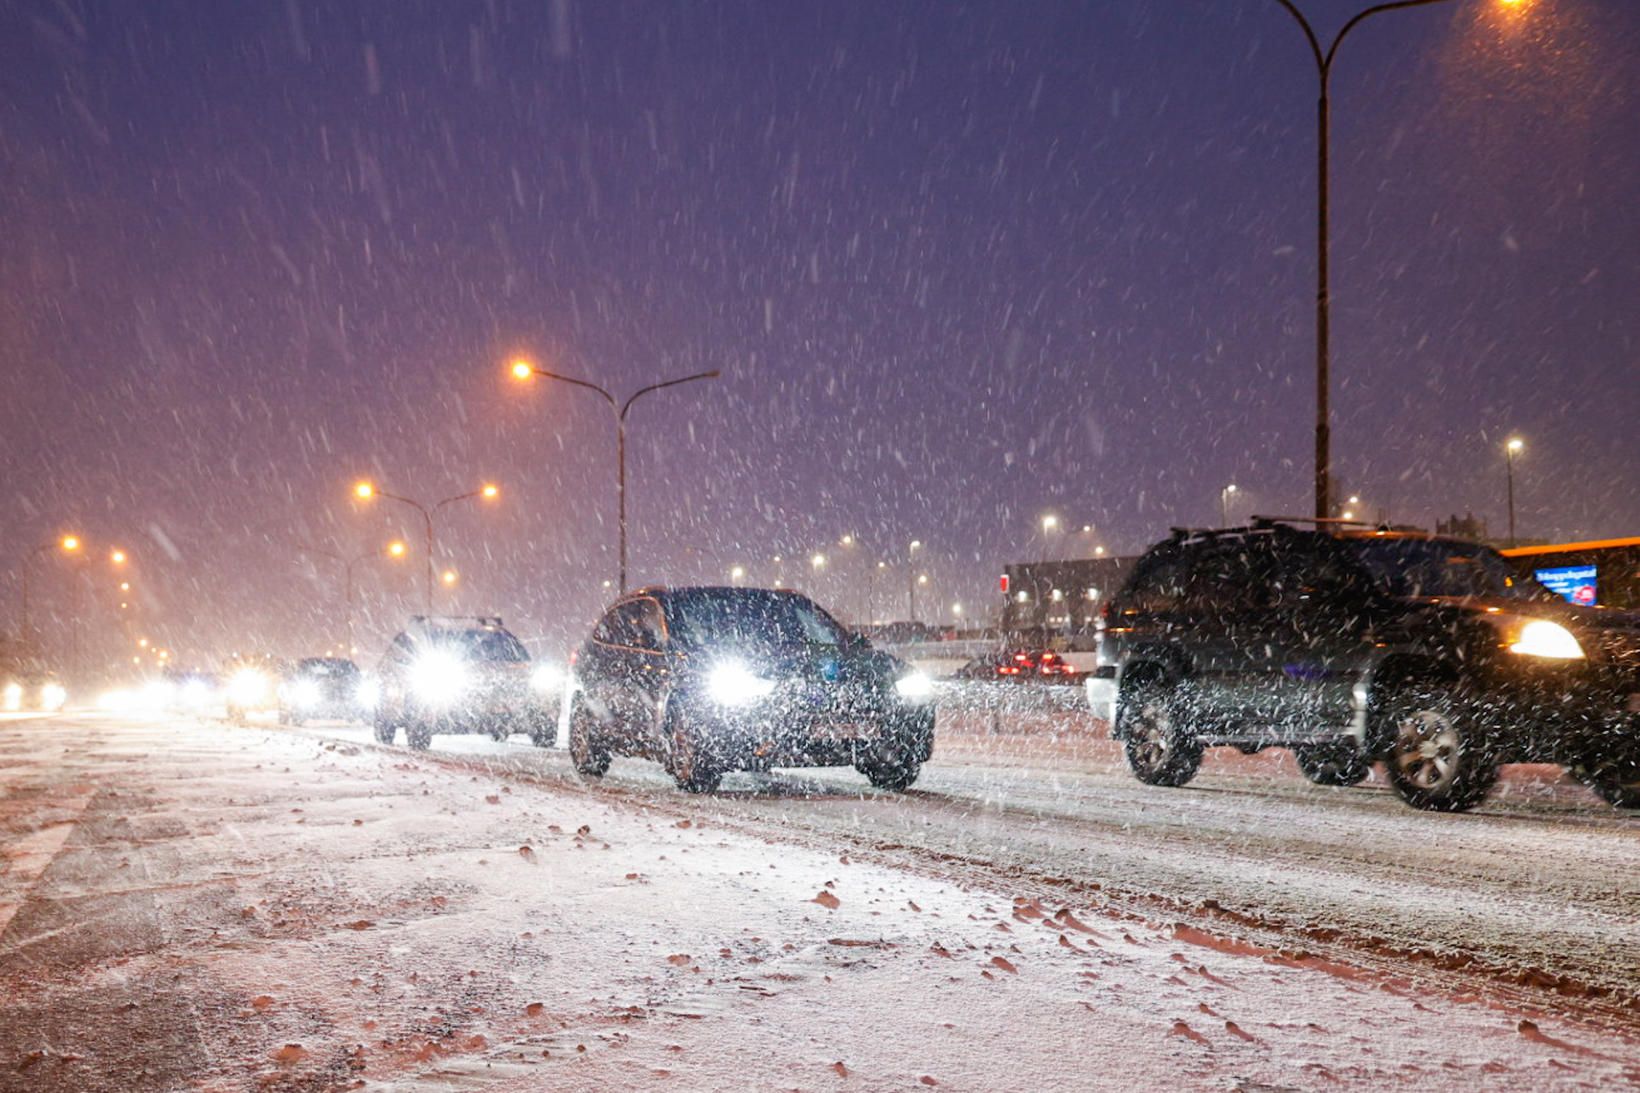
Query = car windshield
x=1437 y=567
x=325 y=666
x=726 y=616
x=490 y=645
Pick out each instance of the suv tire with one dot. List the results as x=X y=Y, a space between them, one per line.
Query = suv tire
x=1342 y=764
x=1617 y=782
x=1437 y=757
x=891 y=765
x=696 y=769
x=586 y=751
x=385 y=729
x=418 y=736
x=1160 y=751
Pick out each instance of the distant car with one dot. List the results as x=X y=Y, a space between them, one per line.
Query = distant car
x=1020 y=666
x=188 y=690
x=251 y=685
x=32 y=692
x=1353 y=646
x=463 y=675
x=712 y=680
x=326 y=688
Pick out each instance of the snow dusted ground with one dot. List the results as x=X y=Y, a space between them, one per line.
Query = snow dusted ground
x=187 y=904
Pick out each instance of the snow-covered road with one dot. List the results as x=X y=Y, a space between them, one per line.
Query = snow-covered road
x=190 y=904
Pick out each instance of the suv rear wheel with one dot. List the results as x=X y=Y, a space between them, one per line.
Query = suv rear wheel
x=1160 y=751
x=1437 y=758
x=693 y=764
x=418 y=735
x=1342 y=764
x=892 y=764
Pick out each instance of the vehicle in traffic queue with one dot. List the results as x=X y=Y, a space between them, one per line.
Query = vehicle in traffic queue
x=326 y=689
x=709 y=680
x=32 y=692
x=446 y=674
x=1351 y=645
x=251 y=685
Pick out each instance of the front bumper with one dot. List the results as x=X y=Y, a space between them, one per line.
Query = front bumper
x=787 y=731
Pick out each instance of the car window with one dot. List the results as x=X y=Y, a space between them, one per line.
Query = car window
x=641 y=623
x=707 y=616
x=611 y=629
x=497 y=646
x=1225 y=578
x=1158 y=585
x=1307 y=571
x=1439 y=567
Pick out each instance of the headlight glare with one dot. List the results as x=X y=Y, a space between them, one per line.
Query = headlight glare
x=547 y=677
x=304 y=693
x=1549 y=640
x=368 y=694
x=53 y=697
x=13 y=696
x=438 y=678
x=915 y=687
x=247 y=687
x=734 y=684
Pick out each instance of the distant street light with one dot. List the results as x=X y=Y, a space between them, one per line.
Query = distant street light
x=818 y=561
x=1224 y=504
x=366 y=491
x=523 y=370
x=395 y=550
x=1323 y=300
x=737 y=574
x=1049 y=523
x=66 y=544
x=1511 y=449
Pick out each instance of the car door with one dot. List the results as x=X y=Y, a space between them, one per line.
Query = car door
x=1321 y=620
x=622 y=686
x=1224 y=631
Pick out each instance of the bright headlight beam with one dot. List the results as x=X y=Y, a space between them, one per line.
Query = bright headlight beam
x=438 y=678
x=915 y=687
x=734 y=684
x=248 y=686
x=1549 y=640
x=547 y=677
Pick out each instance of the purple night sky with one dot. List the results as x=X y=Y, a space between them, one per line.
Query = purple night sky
x=961 y=265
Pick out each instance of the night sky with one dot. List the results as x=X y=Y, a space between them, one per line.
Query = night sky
x=961 y=265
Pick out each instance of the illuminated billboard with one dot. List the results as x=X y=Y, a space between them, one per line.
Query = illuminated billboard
x=1575 y=582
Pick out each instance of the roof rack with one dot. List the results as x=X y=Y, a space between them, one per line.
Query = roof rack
x=1336 y=522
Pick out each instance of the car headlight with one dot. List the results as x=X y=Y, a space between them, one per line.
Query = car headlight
x=438 y=678
x=303 y=692
x=368 y=694
x=13 y=696
x=195 y=694
x=734 y=684
x=1549 y=640
x=53 y=697
x=915 y=687
x=247 y=687
x=547 y=677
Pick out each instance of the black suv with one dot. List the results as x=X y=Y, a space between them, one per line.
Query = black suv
x=455 y=675
x=711 y=680
x=1350 y=646
x=321 y=688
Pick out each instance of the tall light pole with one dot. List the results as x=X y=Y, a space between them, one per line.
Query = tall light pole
x=1224 y=504
x=67 y=544
x=1512 y=448
x=366 y=491
x=1323 y=300
x=524 y=370
x=395 y=549
x=911 y=579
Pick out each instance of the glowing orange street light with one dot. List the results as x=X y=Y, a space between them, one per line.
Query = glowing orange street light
x=364 y=491
x=70 y=543
x=397 y=549
x=449 y=577
x=522 y=370
x=490 y=491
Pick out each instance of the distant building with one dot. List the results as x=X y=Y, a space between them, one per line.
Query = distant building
x=1060 y=597
x=1467 y=526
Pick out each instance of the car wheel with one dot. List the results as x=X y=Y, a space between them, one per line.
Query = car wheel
x=1333 y=764
x=586 y=751
x=891 y=766
x=1160 y=750
x=385 y=730
x=419 y=737
x=1616 y=781
x=693 y=764
x=1438 y=759
x=499 y=733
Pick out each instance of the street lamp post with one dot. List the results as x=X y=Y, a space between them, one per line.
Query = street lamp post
x=393 y=550
x=523 y=370
x=1512 y=448
x=68 y=544
x=364 y=491
x=1323 y=301
x=911 y=579
x=1224 y=504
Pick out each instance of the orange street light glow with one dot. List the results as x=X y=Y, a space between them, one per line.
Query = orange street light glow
x=397 y=549
x=491 y=491
x=522 y=370
x=449 y=577
x=71 y=543
x=117 y=557
x=364 y=491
